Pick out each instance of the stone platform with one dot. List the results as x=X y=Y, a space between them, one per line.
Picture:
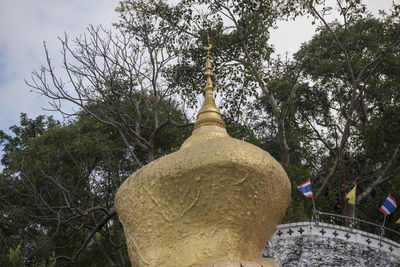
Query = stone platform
x=322 y=244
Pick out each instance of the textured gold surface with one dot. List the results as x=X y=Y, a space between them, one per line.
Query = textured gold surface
x=202 y=137
x=255 y=263
x=216 y=201
x=209 y=121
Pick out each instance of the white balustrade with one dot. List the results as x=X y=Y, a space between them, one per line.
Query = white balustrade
x=292 y=230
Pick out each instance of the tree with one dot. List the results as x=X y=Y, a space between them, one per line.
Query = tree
x=349 y=60
x=240 y=30
x=118 y=79
x=348 y=92
x=59 y=187
x=63 y=178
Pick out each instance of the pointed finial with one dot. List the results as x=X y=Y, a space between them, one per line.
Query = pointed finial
x=208 y=73
x=208 y=48
x=209 y=123
x=209 y=114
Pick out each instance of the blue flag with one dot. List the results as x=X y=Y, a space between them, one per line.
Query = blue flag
x=305 y=188
x=389 y=205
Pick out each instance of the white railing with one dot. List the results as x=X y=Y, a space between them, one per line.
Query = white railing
x=292 y=230
x=352 y=222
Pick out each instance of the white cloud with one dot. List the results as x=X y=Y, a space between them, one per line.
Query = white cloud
x=25 y=24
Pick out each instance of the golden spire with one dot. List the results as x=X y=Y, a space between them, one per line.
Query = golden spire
x=209 y=114
x=209 y=123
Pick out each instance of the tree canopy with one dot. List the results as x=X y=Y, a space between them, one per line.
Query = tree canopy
x=329 y=113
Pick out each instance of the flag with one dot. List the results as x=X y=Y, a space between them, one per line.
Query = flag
x=398 y=221
x=351 y=196
x=389 y=205
x=305 y=188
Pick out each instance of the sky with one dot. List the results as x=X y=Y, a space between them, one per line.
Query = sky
x=25 y=24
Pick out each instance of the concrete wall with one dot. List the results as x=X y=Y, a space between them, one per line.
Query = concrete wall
x=310 y=244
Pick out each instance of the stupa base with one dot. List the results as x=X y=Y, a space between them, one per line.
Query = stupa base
x=261 y=262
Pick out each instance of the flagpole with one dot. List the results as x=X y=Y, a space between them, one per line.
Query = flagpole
x=352 y=210
x=355 y=202
x=314 y=212
x=383 y=226
x=313 y=203
x=351 y=200
x=388 y=207
x=305 y=189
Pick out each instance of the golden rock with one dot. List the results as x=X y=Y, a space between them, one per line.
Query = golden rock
x=215 y=202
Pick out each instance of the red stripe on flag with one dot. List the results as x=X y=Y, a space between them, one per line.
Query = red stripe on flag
x=384 y=211
x=305 y=182
x=394 y=200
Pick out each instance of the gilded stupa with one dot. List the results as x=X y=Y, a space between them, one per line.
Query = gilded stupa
x=214 y=202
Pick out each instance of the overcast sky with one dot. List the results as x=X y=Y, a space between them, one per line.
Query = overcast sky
x=25 y=24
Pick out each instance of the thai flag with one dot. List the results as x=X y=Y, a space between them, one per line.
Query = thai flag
x=305 y=188
x=389 y=205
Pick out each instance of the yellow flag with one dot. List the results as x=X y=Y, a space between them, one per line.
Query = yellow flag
x=351 y=196
x=398 y=221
